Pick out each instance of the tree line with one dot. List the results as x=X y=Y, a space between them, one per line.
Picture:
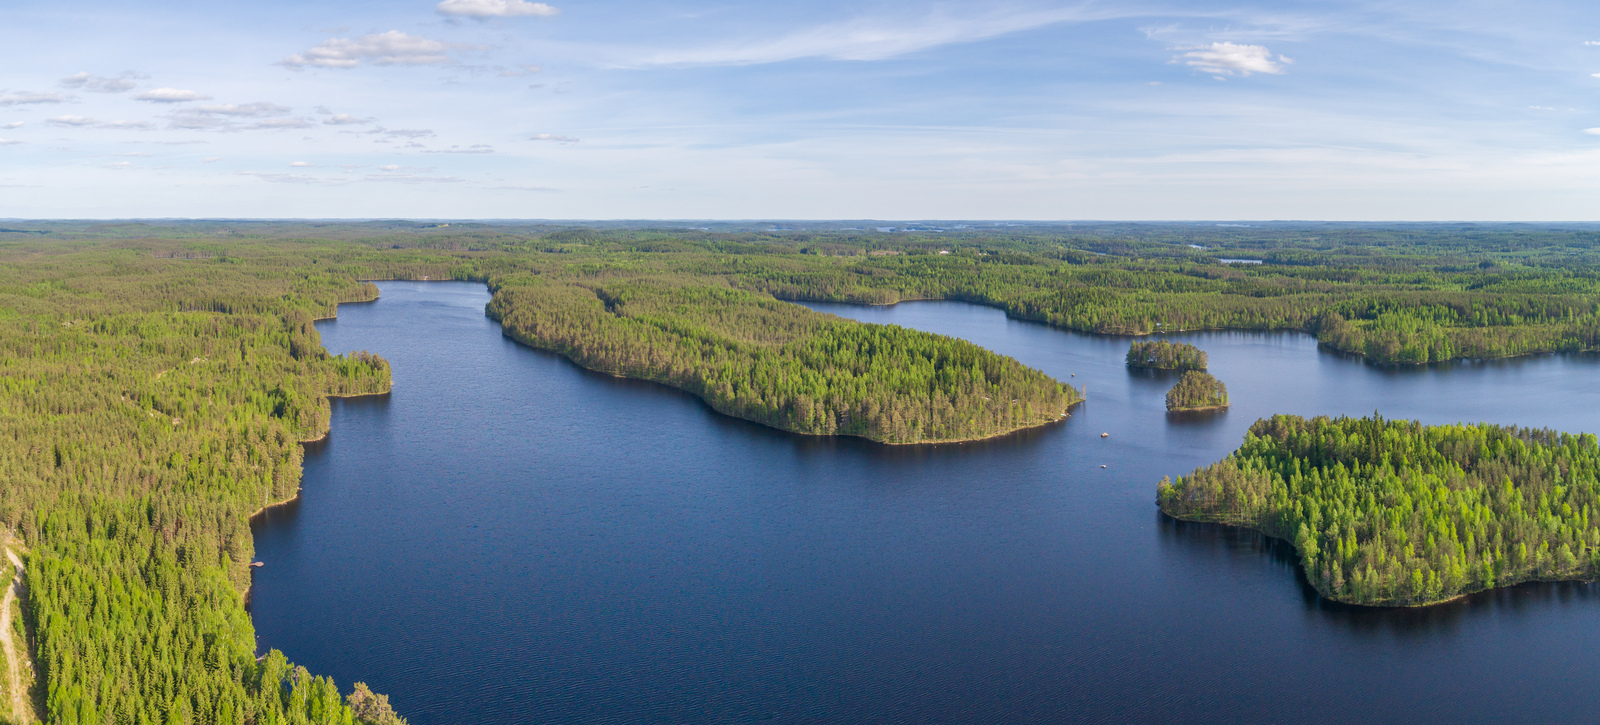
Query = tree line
x=1390 y=513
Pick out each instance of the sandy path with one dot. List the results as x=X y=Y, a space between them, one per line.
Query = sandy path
x=19 y=711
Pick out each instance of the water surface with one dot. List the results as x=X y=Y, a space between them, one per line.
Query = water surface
x=509 y=538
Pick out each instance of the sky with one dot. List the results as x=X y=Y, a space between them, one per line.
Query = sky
x=596 y=109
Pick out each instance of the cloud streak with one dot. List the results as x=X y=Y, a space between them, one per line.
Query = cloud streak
x=874 y=38
x=22 y=98
x=391 y=48
x=170 y=95
x=1227 y=59
x=484 y=9
x=102 y=84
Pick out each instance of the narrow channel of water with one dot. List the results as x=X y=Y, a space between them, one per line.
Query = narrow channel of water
x=508 y=538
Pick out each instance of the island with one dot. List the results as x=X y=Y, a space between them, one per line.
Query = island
x=1197 y=391
x=1164 y=355
x=1397 y=513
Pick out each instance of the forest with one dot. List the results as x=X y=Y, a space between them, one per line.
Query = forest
x=156 y=380
x=1396 y=513
x=1197 y=390
x=1164 y=355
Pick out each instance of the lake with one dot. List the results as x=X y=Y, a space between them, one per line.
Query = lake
x=508 y=538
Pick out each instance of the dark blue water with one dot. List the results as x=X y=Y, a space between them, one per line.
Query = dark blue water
x=508 y=538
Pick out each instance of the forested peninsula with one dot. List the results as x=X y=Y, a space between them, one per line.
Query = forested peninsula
x=156 y=379
x=1395 y=513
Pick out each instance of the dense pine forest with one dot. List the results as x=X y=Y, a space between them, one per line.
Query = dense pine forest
x=1397 y=513
x=156 y=380
x=1164 y=355
x=1197 y=390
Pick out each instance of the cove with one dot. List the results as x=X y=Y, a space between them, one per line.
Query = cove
x=509 y=538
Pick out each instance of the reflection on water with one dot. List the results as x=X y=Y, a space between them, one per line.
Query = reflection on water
x=508 y=538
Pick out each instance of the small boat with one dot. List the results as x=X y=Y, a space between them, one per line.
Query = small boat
x=255 y=564
x=1102 y=465
x=1105 y=435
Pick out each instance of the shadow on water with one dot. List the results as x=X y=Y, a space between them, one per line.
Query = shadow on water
x=1246 y=545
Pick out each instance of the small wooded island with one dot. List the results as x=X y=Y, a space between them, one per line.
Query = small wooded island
x=1197 y=390
x=1395 y=513
x=1164 y=355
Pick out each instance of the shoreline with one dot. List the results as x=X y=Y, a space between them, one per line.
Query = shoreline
x=1065 y=414
x=1362 y=355
x=1197 y=409
x=1300 y=568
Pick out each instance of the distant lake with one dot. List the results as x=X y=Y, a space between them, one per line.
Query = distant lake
x=507 y=538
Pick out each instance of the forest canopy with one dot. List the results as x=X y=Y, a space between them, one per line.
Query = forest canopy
x=156 y=380
x=1396 y=513
x=1197 y=390
x=1165 y=355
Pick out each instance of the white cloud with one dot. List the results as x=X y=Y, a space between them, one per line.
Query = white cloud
x=558 y=138
x=211 y=160
x=86 y=122
x=391 y=48
x=24 y=97
x=390 y=167
x=8 y=142
x=223 y=117
x=413 y=179
x=305 y=164
x=1591 y=42
x=13 y=124
x=277 y=123
x=401 y=132
x=1593 y=131
x=171 y=95
x=345 y=119
x=478 y=148
x=1226 y=59
x=253 y=110
x=521 y=70
x=101 y=84
x=496 y=8
x=283 y=178
x=72 y=121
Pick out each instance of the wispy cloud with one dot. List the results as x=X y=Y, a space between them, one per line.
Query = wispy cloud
x=102 y=84
x=13 y=124
x=170 y=95
x=72 y=121
x=391 y=48
x=496 y=9
x=477 y=148
x=555 y=137
x=874 y=38
x=228 y=117
x=278 y=178
x=1592 y=131
x=518 y=71
x=9 y=142
x=412 y=133
x=19 y=98
x=1226 y=59
x=345 y=119
x=412 y=179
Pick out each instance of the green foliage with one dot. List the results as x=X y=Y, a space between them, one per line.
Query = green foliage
x=1398 y=513
x=1164 y=355
x=1197 y=390
x=149 y=406
x=755 y=357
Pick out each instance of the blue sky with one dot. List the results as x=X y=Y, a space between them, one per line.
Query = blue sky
x=741 y=110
